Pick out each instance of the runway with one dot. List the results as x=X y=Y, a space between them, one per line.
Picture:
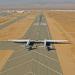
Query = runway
x=38 y=61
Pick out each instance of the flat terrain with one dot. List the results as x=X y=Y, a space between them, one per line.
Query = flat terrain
x=62 y=26
x=17 y=29
x=4 y=55
x=11 y=19
x=18 y=60
x=30 y=62
x=5 y=18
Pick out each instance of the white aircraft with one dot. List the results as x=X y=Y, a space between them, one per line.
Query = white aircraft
x=46 y=43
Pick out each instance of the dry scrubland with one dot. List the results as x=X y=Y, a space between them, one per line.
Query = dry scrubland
x=2 y=19
x=10 y=17
x=6 y=18
x=66 y=19
x=4 y=55
x=67 y=23
x=62 y=26
x=18 y=29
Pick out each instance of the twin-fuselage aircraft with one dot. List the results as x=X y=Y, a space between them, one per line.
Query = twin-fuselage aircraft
x=46 y=43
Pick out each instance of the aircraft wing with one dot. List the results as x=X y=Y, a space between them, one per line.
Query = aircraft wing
x=58 y=41
x=19 y=41
x=41 y=41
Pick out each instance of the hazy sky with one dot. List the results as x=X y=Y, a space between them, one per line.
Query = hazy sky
x=34 y=3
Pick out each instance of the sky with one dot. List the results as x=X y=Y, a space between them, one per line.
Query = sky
x=35 y=3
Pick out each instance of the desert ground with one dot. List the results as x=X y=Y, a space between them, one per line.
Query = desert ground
x=63 y=27
x=17 y=60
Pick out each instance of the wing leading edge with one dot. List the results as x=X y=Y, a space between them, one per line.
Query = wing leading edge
x=41 y=41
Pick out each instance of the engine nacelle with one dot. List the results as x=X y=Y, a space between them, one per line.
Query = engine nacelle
x=30 y=43
x=46 y=43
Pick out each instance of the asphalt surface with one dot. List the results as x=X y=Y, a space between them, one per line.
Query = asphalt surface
x=12 y=21
x=38 y=61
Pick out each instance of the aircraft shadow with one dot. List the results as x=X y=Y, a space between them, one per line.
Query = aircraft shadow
x=49 y=49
